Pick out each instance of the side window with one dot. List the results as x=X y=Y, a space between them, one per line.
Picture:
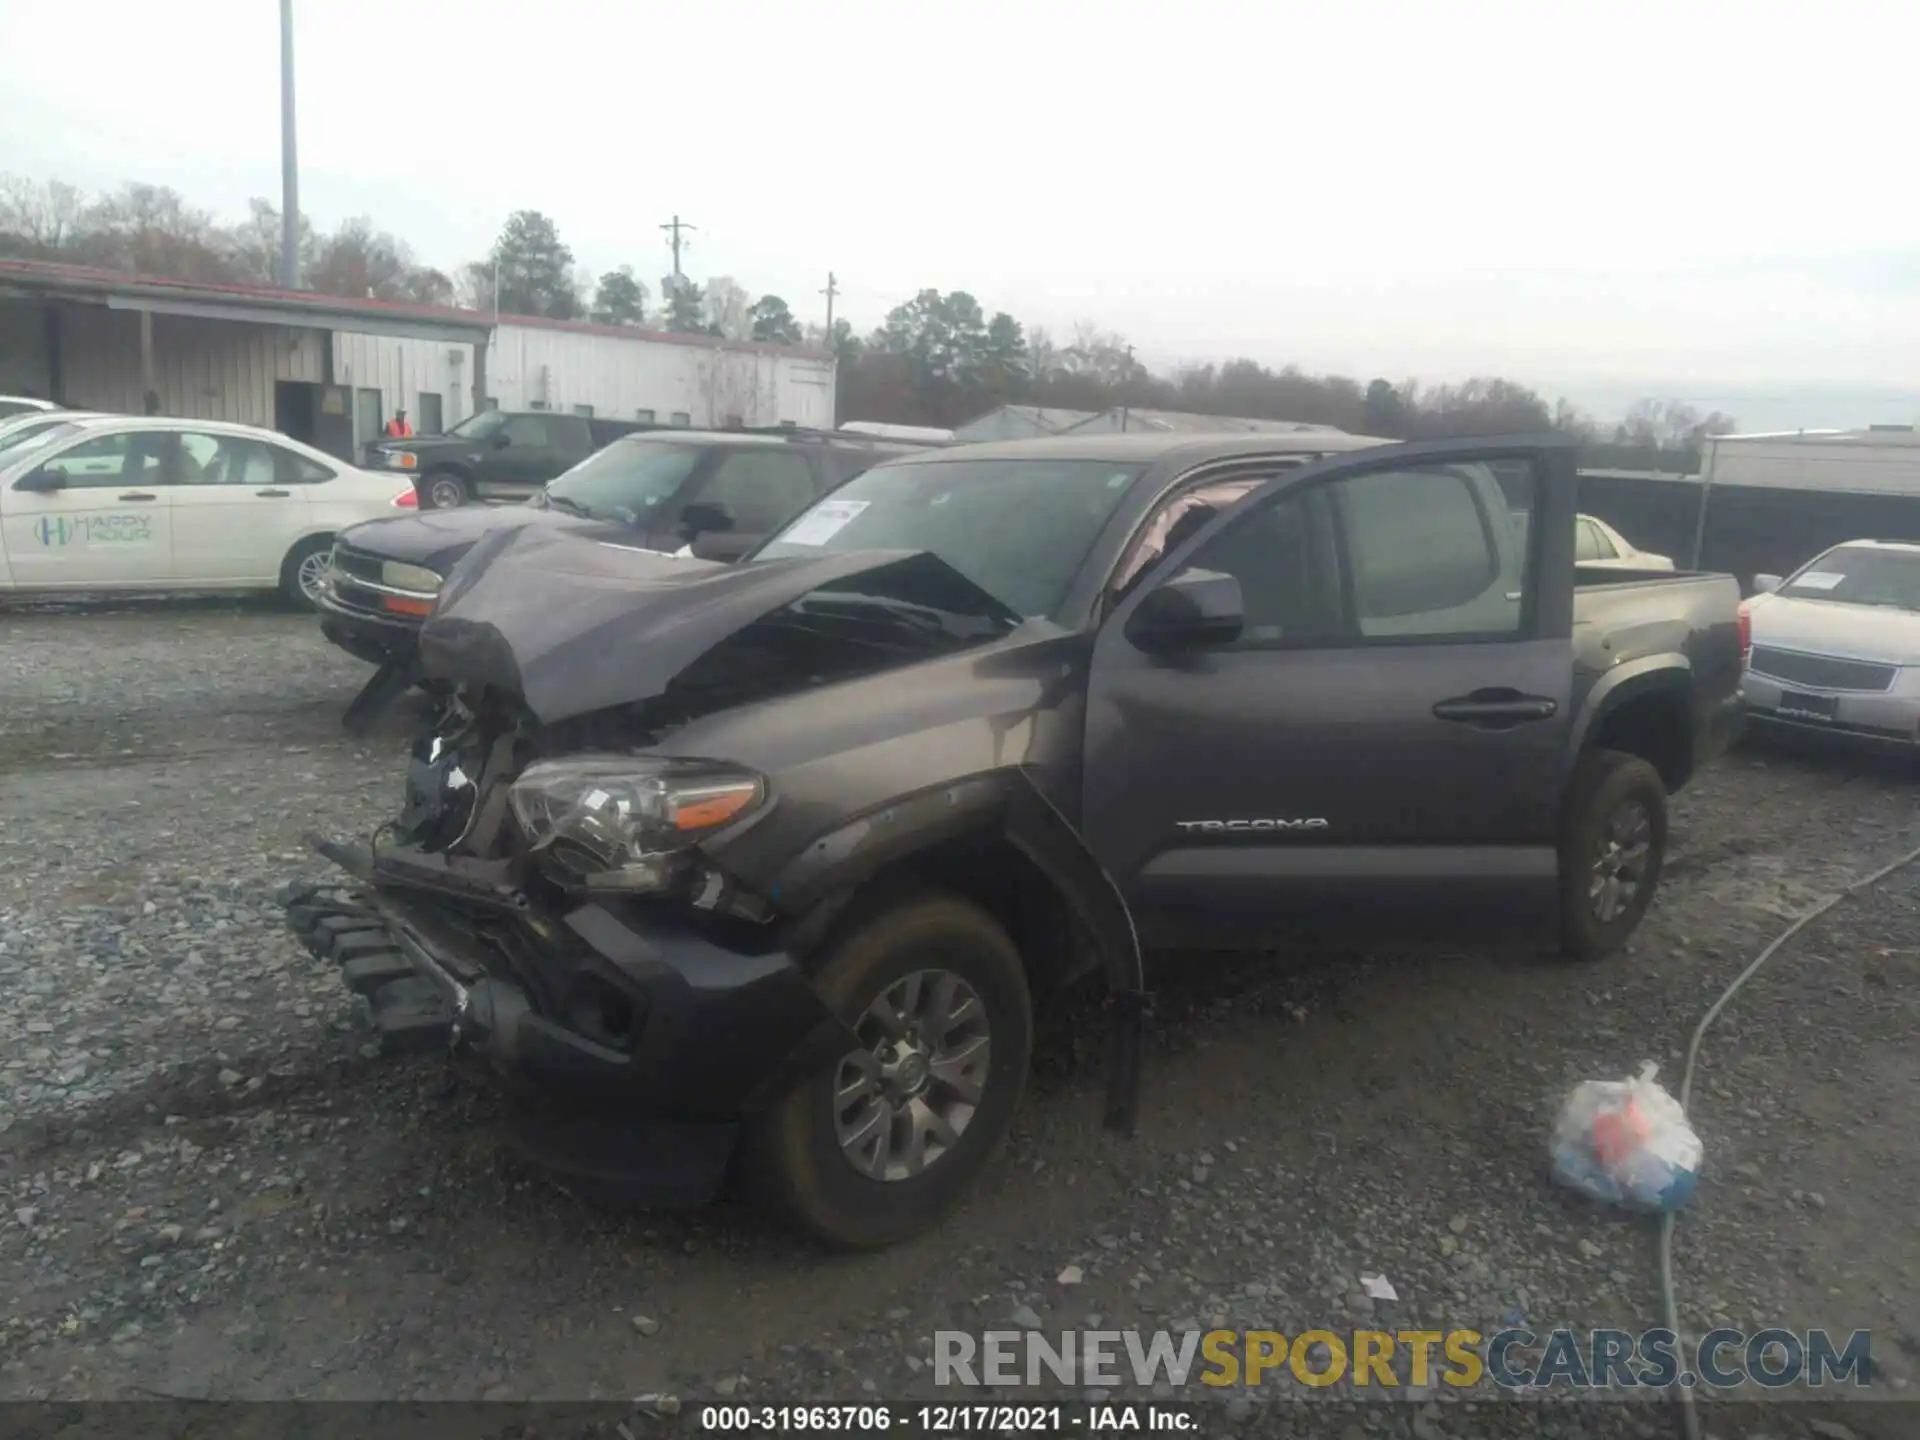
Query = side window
x=1591 y=543
x=527 y=432
x=1433 y=551
x=201 y=459
x=292 y=468
x=129 y=458
x=761 y=489
x=1285 y=557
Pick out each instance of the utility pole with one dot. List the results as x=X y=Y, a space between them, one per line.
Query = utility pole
x=673 y=228
x=833 y=289
x=289 y=161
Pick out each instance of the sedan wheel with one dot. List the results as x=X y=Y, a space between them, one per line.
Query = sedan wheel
x=311 y=576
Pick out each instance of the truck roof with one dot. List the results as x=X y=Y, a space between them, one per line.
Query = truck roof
x=1147 y=447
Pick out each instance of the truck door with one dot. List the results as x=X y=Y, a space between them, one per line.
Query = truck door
x=533 y=453
x=1378 y=752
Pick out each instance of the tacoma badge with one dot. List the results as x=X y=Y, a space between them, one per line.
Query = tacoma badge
x=1219 y=826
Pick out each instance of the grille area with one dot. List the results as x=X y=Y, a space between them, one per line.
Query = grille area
x=353 y=572
x=1821 y=672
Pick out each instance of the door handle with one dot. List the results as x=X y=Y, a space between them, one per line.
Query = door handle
x=139 y=495
x=272 y=494
x=1496 y=709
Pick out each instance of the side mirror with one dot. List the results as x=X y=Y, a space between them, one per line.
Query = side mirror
x=702 y=516
x=1194 y=609
x=41 y=480
x=1766 y=584
x=502 y=440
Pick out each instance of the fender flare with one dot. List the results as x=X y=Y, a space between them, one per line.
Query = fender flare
x=1622 y=684
x=1035 y=826
x=816 y=885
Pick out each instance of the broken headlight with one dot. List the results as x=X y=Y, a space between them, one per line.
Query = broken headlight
x=626 y=823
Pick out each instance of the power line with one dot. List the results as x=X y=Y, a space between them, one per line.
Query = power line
x=673 y=227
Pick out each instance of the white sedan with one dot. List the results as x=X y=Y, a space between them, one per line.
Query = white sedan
x=149 y=503
x=1598 y=543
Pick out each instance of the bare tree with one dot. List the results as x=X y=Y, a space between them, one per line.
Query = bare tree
x=38 y=220
x=728 y=309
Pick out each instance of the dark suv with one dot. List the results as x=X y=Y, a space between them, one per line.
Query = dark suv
x=719 y=492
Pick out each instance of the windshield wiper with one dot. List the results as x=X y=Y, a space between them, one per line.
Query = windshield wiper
x=573 y=507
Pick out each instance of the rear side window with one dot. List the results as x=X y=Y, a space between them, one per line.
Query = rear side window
x=1591 y=543
x=291 y=468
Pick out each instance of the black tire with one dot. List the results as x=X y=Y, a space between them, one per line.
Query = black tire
x=792 y=1154
x=292 y=591
x=438 y=489
x=1607 y=789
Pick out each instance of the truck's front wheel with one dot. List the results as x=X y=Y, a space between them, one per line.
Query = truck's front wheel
x=886 y=1139
x=1613 y=844
x=445 y=490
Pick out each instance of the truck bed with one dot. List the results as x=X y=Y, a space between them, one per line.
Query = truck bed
x=1623 y=616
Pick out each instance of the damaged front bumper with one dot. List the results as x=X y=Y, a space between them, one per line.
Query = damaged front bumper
x=631 y=1043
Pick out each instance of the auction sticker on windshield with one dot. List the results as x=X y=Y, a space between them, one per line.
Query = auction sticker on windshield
x=823 y=522
x=1819 y=580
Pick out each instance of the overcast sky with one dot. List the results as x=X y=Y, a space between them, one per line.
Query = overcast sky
x=1701 y=200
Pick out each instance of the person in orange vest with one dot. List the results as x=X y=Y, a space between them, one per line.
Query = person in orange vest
x=398 y=428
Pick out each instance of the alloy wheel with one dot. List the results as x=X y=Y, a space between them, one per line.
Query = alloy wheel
x=311 y=576
x=902 y=1101
x=1620 y=861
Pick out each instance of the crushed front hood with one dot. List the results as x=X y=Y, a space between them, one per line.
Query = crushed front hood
x=573 y=625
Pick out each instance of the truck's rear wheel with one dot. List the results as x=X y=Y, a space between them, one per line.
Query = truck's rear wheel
x=886 y=1139
x=1613 y=844
x=445 y=490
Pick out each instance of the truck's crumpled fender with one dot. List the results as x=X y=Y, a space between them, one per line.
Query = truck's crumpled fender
x=823 y=877
x=1046 y=837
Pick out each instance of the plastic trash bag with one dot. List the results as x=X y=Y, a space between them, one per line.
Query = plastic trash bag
x=1627 y=1142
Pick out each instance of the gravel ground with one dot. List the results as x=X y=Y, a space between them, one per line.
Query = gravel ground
x=213 y=1189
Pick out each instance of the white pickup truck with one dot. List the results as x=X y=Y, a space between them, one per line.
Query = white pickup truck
x=117 y=503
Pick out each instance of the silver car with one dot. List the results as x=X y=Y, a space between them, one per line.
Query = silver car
x=1836 y=647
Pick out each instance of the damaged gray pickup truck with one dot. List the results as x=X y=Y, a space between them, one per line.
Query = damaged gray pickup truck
x=761 y=869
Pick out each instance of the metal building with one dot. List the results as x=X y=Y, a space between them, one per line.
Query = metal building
x=331 y=370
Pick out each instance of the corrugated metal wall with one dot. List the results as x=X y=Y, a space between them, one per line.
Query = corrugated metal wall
x=226 y=370
x=402 y=371
x=621 y=378
x=205 y=369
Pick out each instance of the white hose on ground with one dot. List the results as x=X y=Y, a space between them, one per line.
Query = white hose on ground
x=1689 y=1415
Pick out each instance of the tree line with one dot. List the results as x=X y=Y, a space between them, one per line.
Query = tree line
x=937 y=359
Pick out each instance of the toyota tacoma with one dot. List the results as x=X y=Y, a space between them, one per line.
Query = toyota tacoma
x=761 y=869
